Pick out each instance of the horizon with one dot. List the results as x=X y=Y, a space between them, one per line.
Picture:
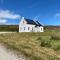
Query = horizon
x=46 y=12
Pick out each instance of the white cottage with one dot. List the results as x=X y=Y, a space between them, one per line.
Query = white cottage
x=27 y=25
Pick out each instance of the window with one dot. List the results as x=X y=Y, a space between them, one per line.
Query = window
x=41 y=29
x=23 y=22
x=32 y=28
x=24 y=28
x=28 y=28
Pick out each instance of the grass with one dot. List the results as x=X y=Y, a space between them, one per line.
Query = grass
x=34 y=46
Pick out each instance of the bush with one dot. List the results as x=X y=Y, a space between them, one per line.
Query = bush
x=53 y=58
x=55 y=37
x=39 y=38
x=57 y=48
x=46 y=43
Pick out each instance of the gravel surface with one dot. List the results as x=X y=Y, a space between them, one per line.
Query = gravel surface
x=8 y=55
x=6 y=32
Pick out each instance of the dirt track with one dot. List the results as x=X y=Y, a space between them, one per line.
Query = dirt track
x=8 y=55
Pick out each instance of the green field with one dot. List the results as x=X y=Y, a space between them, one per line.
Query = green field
x=34 y=46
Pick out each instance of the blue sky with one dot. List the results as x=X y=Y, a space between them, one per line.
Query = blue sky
x=46 y=11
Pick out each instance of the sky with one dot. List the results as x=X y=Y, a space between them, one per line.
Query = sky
x=47 y=12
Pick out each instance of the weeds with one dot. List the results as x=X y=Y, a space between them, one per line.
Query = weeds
x=34 y=46
x=57 y=48
x=55 y=37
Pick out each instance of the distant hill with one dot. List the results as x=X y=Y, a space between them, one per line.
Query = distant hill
x=9 y=28
x=52 y=27
x=16 y=28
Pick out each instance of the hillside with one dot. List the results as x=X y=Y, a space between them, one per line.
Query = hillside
x=52 y=27
x=34 y=46
x=13 y=28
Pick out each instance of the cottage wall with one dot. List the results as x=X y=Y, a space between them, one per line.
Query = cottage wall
x=26 y=28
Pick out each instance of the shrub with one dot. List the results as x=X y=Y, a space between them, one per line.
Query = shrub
x=39 y=38
x=53 y=58
x=57 y=48
x=45 y=43
x=55 y=37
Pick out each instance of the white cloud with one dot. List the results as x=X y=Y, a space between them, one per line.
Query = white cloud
x=3 y=21
x=58 y=14
x=7 y=14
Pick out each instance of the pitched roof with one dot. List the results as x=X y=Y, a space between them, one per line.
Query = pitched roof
x=33 y=22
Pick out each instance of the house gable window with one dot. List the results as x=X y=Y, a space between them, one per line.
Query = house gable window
x=23 y=22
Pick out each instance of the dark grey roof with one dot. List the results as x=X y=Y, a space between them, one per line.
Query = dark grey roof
x=33 y=22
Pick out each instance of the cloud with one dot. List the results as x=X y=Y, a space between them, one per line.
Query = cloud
x=57 y=14
x=3 y=21
x=7 y=14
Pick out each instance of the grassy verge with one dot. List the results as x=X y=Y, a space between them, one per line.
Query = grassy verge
x=34 y=46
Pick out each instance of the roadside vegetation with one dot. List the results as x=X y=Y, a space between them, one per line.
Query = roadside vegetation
x=34 y=46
